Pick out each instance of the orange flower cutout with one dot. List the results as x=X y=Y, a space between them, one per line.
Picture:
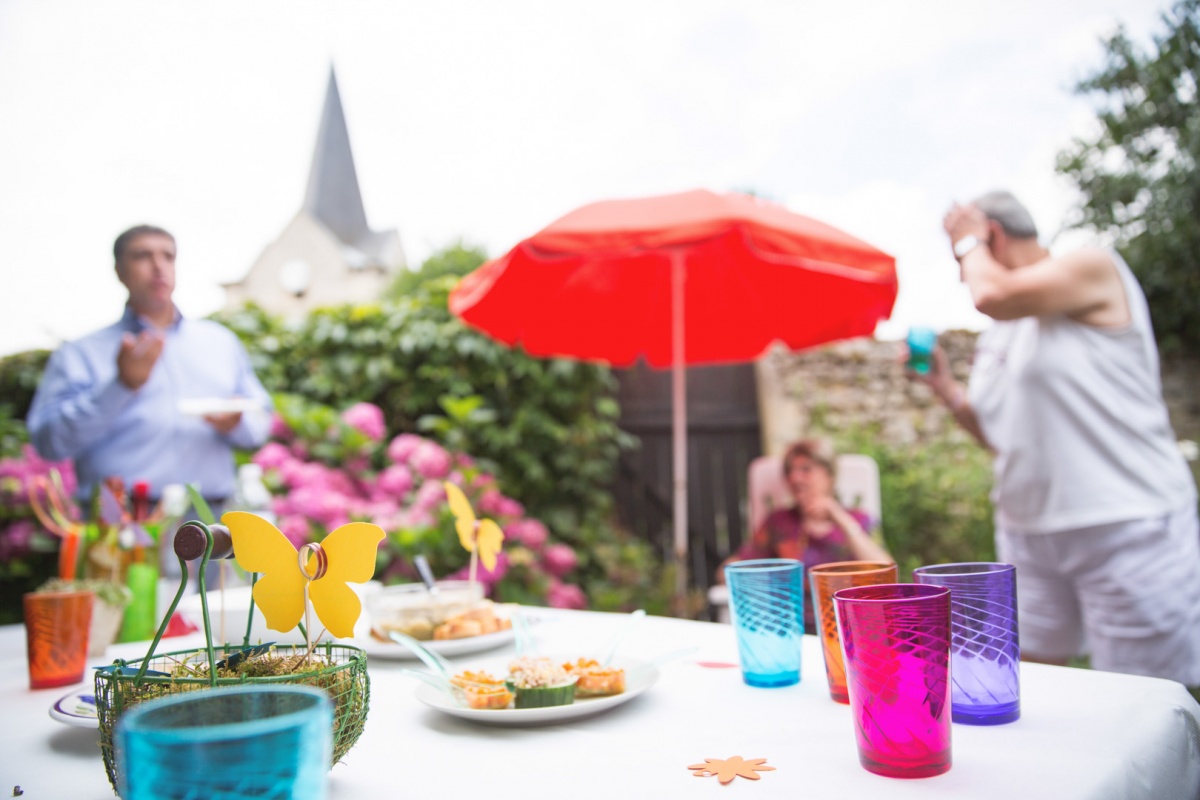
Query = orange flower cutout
x=729 y=768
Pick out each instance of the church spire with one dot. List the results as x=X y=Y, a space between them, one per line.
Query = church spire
x=333 y=196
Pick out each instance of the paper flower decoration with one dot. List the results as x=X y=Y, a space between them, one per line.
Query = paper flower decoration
x=347 y=555
x=729 y=768
x=482 y=535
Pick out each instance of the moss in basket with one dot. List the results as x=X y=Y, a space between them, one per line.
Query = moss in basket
x=310 y=669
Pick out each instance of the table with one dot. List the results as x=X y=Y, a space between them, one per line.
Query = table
x=1082 y=734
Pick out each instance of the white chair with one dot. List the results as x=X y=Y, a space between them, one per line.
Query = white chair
x=856 y=485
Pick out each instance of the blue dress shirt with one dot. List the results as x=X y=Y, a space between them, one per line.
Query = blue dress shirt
x=82 y=411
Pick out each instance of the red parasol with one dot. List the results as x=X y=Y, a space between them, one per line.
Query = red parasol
x=690 y=278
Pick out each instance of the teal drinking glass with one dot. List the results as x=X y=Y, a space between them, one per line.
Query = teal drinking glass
x=921 y=344
x=253 y=741
x=766 y=603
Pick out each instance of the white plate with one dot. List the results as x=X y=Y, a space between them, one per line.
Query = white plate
x=202 y=406
x=76 y=708
x=443 y=647
x=639 y=677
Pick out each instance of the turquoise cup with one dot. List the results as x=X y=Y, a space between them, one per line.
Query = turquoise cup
x=252 y=741
x=766 y=604
x=921 y=344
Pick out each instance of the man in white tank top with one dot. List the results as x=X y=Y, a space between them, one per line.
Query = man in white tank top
x=1094 y=503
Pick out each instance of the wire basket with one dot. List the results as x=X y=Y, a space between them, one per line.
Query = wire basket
x=339 y=670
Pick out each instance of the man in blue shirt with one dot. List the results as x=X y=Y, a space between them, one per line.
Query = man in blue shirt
x=155 y=396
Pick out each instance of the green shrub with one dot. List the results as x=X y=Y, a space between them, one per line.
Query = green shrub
x=546 y=427
x=19 y=376
x=935 y=496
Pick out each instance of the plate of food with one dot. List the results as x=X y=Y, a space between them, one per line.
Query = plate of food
x=540 y=690
x=443 y=647
x=204 y=406
x=453 y=620
x=76 y=708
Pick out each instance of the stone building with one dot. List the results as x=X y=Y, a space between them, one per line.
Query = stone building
x=327 y=254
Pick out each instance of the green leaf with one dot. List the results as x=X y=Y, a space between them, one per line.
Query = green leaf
x=198 y=502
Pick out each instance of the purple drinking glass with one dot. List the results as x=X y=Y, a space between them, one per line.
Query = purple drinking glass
x=896 y=640
x=985 y=652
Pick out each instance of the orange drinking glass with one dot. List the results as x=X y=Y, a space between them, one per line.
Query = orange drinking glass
x=825 y=579
x=56 y=637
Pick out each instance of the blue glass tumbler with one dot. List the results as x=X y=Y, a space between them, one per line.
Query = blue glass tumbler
x=251 y=741
x=921 y=343
x=984 y=649
x=766 y=603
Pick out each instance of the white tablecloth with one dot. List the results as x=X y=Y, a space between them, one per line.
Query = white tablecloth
x=1082 y=734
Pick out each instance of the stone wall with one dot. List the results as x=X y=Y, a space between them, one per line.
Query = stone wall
x=862 y=382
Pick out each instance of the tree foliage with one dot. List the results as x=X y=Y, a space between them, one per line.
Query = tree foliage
x=1138 y=174
x=456 y=259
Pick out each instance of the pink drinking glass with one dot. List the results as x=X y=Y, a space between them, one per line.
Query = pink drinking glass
x=896 y=639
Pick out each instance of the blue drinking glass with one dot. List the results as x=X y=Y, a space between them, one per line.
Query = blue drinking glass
x=921 y=343
x=766 y=604
x=985 y=652
x=252 y=741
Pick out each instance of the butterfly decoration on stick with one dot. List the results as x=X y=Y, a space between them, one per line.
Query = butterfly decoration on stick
x=482 y=538
x=316 y=572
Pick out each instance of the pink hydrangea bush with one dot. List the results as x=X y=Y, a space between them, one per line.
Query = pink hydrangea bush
x=350 y=473
x=26 y=548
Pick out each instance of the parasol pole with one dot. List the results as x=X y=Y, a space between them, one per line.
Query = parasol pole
x=679 y=428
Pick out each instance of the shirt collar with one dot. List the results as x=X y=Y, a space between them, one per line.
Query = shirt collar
x=134 y=323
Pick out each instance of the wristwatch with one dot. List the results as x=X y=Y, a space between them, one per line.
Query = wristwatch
x=965 y=245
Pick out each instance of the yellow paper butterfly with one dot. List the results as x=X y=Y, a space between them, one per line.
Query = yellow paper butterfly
x=349 y=555
x=483 y=534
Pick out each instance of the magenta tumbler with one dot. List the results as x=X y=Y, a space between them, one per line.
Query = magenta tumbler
x=985 y=652
x=896 y=640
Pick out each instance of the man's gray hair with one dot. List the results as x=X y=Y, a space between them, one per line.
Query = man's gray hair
x=1003 y=208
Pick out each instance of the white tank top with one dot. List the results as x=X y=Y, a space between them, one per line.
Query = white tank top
x=1076 y=417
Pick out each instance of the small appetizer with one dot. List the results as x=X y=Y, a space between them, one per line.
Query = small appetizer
x=595 y=680
x=539 y=682
x=478 y=621
x=492 y=697
x=481 y=690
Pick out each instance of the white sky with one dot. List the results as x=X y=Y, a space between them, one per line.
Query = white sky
x=488 y=120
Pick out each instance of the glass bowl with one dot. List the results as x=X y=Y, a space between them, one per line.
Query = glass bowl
x=412 y=609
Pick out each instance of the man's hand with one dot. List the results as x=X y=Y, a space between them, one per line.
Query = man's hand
x=963 y=221
x=137 y=357
x=939 y=378
x=224 y=423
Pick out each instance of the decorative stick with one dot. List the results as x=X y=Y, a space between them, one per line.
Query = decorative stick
x=51 y=521
x=221 y=585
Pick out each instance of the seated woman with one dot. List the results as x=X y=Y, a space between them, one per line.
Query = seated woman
x=817 y=529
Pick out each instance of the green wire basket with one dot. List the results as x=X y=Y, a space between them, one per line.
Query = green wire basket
x=340 y=670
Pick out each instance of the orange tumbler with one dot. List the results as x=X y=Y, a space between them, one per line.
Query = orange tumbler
x=56 y=637
x=825 y=579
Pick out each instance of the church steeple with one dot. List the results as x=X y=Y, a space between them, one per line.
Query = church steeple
x=333 y=196
x=326 y=255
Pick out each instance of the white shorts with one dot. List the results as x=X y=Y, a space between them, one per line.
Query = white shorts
x=1127 y=593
